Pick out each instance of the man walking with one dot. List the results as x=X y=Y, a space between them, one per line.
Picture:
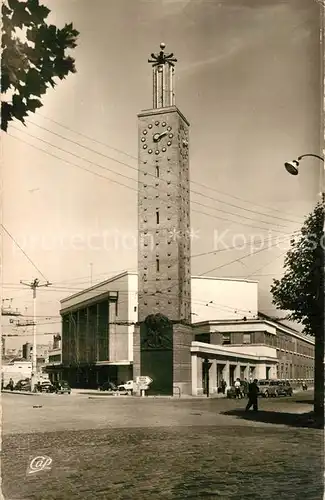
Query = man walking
x=253 y=391
x=237 y=389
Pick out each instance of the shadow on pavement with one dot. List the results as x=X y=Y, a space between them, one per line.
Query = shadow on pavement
x=281 y=418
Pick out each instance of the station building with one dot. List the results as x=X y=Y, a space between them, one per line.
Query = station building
x=207 y=325
x=99 y=330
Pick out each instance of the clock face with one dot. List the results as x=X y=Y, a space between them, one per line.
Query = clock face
x=157 y=137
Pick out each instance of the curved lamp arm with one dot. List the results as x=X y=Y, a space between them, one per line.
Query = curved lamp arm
x=310 y=154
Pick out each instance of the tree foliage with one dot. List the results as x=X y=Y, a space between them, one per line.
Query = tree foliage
x=301 y=289
x=29 y=67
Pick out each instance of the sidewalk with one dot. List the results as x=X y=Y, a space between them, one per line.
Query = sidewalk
x=96 y=392
x=23 y=393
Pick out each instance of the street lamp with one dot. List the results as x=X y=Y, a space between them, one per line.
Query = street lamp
x=293 y=169
x=293 y=166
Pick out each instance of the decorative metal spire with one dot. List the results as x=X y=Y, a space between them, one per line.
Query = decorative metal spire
x=162 y=58
x=163 y=78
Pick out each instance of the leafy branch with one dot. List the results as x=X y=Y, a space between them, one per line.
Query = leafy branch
x=31 y=62
x=301 y=289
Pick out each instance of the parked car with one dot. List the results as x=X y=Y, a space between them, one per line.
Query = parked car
x=284 y=388
x=128 y=387
x=47 y=386
x=62 y=387
x=267 y=389
x=280 y=388
x=23 y=385
x=108 y=386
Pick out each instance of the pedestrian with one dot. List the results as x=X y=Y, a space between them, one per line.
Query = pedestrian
x=237 y=389
x=223 y=386
x=253 y=391
x=11 y=384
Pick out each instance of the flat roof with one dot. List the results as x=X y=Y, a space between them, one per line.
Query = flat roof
x=133 y=273
x=223 y=279
x=99 y=285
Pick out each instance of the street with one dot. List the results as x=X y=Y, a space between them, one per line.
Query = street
x=158 y=448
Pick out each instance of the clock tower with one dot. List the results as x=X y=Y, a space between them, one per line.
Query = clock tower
x=164 y=201
x=163 y=339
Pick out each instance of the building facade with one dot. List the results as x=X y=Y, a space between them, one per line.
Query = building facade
x=15 y=370
x=54 y=358
x=250 y=348
x=97 y=334
x=239 y=342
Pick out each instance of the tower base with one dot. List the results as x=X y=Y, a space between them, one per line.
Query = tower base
x=166 y=359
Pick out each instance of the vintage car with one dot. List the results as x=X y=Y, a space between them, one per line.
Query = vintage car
x=284 y=388
x=128 y=387
x=275 y=388
x=266 y=388
x=23 y=385
x=61 y=387
x=47 y=386
x=108 y=386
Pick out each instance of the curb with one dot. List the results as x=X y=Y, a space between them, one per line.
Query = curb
x=22 y=393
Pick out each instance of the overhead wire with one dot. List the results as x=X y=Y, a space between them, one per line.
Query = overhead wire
x=23 y=251
x=164 y=180
x=166 y=202
x=58 y=287
x=191 y=181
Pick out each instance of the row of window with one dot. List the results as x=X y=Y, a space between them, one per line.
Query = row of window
x=269 y=339
x=246 y=339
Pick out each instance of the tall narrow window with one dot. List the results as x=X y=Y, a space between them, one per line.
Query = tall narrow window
x=157 y=217
x=157 y=171
x=157 y=265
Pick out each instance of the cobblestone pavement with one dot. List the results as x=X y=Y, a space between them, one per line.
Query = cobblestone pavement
x=125 y=448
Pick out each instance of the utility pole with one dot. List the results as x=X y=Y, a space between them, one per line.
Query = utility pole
x=34 y=285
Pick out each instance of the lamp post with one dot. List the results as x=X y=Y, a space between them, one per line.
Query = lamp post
x=293 y=169
x=293 y=166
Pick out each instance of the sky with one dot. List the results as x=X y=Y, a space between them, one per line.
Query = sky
x=248 y=81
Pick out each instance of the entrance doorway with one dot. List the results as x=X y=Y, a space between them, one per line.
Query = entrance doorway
x=268 y=371
x=220 y=368
x=232 y=369
x=242 y=372
x=205 y=376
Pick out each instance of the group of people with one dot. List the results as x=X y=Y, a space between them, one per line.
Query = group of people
x=241 y=388
x=247 y=389
x=244 y=389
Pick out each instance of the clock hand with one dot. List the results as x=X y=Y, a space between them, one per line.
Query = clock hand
x=158 y=137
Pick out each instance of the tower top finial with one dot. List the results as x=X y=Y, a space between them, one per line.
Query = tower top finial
x=162 y=58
